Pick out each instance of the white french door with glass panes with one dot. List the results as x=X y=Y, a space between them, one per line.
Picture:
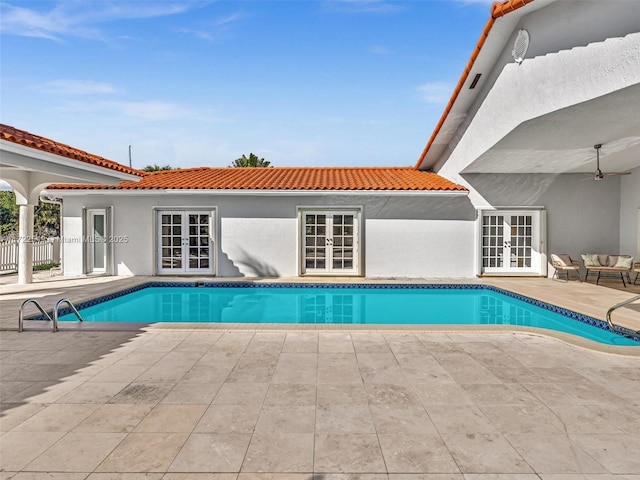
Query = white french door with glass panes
x=330 y=242
x=511 y=242
x=185 y=241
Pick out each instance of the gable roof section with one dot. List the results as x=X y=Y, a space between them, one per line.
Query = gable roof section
x=498 y=10
x=284 y=179
x=22 y=137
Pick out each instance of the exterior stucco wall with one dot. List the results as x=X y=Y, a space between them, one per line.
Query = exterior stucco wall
x=578 y=51
x=630 y=214
x=402 y=235
x=419 y=248
x=540 y=86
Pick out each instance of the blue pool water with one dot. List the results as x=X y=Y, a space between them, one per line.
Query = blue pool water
x=339 y=304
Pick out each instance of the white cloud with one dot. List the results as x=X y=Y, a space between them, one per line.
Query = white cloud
x=481 y=2
x=381 y=50
x=362 y=6
x=436 y=93
x=78 y=17
x=234 y=17
x=152 y=110
x=211 y=31
x=201 y=34
x=77 y=87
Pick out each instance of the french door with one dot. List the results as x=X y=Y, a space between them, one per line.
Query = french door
x=511 y=242
x=185 y=242
x=330 y=242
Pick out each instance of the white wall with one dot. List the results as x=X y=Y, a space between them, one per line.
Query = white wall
x=629 y=213
x=437 y=248
x=408 y=235
x=538 y=87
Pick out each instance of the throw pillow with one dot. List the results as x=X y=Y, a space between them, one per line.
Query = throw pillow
x=624 y=262
x=590 y=260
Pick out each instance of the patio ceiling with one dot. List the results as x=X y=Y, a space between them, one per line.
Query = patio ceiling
x=562 y=141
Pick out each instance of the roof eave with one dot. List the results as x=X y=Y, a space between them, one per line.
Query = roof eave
x=498 y=10
x=270 y=192
x=111 y=175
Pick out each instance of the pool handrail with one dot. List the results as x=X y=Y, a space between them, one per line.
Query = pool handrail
x=55 y=312
x=617 y=328
x=21 y=313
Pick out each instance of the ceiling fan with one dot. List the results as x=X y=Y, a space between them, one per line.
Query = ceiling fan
x=599 y=174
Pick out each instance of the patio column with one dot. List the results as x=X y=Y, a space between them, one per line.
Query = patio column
x=25 y=243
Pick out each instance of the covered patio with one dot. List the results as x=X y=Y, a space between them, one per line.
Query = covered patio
x=28 y=163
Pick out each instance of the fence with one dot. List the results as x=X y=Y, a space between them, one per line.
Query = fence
x=44 y=251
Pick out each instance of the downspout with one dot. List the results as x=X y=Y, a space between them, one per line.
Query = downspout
x=53 y=201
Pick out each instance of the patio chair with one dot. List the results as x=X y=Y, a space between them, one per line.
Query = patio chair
x=563 y=263
x=636 y=269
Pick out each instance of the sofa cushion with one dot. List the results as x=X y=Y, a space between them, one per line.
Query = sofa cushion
x=591 y=260
x=623 y=262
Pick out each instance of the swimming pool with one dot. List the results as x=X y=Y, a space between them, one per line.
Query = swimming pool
x=395 y=304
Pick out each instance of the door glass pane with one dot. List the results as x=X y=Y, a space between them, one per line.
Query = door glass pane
x=314 y=241
x=521 y=251
x=492 y=235
x=343 y=235
x=198 y=241
x=99 y=247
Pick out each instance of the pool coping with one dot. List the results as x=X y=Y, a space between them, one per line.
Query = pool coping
x=262 y=327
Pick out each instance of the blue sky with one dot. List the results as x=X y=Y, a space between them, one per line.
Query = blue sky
x=191 y=83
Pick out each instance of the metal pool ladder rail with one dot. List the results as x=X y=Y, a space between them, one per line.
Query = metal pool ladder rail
x=55 y=312
x=617 y=328
x=21 y=314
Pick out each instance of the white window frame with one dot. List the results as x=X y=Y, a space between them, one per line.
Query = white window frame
x=358 y=254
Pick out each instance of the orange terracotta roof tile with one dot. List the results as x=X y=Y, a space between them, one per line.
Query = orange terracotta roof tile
x=284 y=178
x=498 y=9
x=37 y=142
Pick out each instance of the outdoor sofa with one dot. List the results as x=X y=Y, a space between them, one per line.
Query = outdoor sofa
x=608 y=264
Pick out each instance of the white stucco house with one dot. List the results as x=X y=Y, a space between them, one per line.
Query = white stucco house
x=507 y=177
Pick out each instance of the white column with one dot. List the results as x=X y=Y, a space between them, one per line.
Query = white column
x=25 y=244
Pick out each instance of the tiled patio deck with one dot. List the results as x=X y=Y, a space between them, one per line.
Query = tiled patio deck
x=174 y=404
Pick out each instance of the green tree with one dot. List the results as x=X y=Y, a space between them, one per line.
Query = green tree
x=46 y=217
x=8 y=214
x=46 y=220
x=157 y=168
x=251 y=161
